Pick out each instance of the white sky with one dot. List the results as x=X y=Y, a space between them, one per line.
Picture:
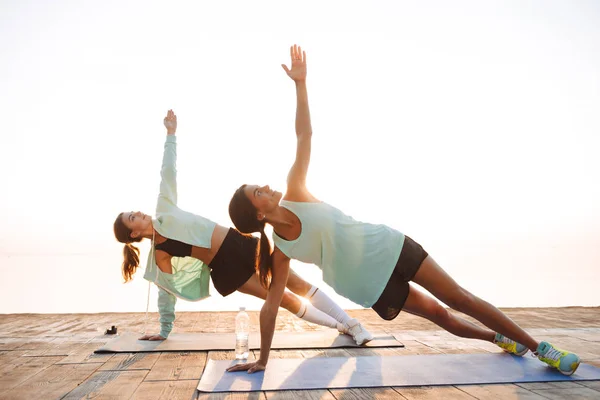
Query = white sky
x=471 y=126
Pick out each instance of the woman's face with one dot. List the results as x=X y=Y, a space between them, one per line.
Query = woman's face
x=262 y=198
x=136 y=221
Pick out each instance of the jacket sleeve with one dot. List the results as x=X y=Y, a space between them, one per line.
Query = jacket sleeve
x=168 y=174
x=166 y=310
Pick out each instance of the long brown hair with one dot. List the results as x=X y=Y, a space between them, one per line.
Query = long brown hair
x=131 y=254
x=243 y=215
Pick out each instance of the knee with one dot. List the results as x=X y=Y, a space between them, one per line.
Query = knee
x=439 y=314
x=462 y=301
x=290 y=302
x=298 y=286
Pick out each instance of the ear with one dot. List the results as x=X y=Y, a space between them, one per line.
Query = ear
x=260 y=216
x=135 y=234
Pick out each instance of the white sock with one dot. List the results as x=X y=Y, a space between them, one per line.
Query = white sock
x=309 y=313
x=320 y=300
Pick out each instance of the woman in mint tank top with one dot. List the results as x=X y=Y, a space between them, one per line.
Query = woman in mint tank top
x=370 y=264
x=187 y=250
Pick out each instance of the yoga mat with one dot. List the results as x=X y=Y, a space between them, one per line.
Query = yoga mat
x=374 y=371
x=128 y=343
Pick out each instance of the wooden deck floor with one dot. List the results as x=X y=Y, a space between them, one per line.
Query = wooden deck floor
x=51 y=356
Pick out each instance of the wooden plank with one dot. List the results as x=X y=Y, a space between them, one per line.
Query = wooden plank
x=231 y=396
x=414 y=347
x=63 y=346
x=11 y=343
x=228 y=355
x=433 y=393
x=85 y=354
x=579 y=393
x=51 y=383
x=166 y=390
x=500 y=392
x=366 y=393
x=108 y=385
x=176 y=366
x=12 y=357
x=299 y=394
x=548 y=385
x=21 y=369
x=591 y=384
x=130 y=361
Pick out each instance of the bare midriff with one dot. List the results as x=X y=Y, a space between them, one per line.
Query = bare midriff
x=206 y=255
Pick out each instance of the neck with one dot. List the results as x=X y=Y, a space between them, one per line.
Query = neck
x=281 y=219
x=148 y=232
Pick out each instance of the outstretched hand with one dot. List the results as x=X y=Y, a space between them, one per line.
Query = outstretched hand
x=152 y=337
x=250 y=367
x=298 y=68
x=170 y=122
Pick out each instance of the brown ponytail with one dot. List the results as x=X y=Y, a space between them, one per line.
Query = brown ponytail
x=264 y=260
x=131 y=254
x=243 y=216
x=131 y=261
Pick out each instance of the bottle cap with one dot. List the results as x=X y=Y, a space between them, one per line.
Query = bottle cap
x=242 y=308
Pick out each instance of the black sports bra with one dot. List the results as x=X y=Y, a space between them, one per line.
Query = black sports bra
x=175 y=248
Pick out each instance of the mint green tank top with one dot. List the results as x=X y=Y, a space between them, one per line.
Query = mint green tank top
x=357 y=258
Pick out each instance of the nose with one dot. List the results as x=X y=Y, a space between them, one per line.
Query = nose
x=267 y=188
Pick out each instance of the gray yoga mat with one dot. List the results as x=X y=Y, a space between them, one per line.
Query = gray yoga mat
x=373 y=371
x=128 y=342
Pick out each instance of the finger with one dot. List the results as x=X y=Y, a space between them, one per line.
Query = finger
x=285 y=68
x=295 y=51
x=299 y=55
x=238 y=367
x=304 y=57
x=292 y=53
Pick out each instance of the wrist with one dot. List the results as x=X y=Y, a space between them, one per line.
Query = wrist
x=170 y=132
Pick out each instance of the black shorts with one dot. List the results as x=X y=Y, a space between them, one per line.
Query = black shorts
x=234 y=263
x=394 y=295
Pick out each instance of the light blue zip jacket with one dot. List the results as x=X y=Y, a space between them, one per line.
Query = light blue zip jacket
x=191 y=277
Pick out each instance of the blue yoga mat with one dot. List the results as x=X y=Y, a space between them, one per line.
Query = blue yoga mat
x=416 y=370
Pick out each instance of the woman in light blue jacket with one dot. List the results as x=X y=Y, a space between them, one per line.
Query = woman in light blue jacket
x=188 y=249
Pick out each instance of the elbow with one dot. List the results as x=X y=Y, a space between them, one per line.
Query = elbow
x=304 y=134
x=268 y=312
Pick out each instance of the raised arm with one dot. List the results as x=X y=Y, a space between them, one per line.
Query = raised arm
x=268 y=312
x=168 y=171
x=296 y=181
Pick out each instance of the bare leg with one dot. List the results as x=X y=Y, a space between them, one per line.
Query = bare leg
x=297 y=285
x=291 y=303
x=418 y=303
x=254 y=288
x=433 y=278
x=317 y=298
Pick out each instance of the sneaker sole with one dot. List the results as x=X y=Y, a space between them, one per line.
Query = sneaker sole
x=515 y=354
x=521 y=354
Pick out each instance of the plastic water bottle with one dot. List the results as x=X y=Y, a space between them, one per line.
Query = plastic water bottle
x=242 y=329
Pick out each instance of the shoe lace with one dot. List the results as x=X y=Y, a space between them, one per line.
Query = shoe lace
x=553 y=354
